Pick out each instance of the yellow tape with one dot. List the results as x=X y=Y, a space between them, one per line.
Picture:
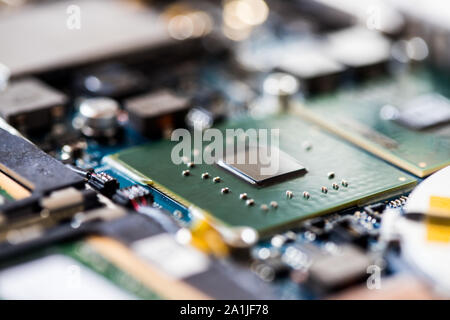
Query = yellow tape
x=438 y=230
x=438 y=222
x=440 y=206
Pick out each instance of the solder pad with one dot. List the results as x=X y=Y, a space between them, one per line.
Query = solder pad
x=355 y=114
x=367 y=178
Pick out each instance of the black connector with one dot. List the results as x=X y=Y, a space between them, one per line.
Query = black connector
x=102 y=182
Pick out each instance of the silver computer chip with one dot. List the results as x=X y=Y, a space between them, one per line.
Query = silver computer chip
x=258 y=166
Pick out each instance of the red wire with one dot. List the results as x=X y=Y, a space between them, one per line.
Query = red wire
x=135 y=204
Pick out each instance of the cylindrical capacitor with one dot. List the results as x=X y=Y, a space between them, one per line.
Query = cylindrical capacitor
x=97 y=117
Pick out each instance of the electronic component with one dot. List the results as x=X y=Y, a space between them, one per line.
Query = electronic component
x=72 y=151
x=29 y=104
x=157 y=113
x=157 y=260
x=313 y=66
x=281 y=84
x=318 y=227
x=21 y=231
x=365 y=51
x=152 y=261
x=103 y=182
x=100 y=181
x=97 y=117
x=208 y=109
x=111 y=80
x=375 y=210
x=65 y=215
x=260 y=198
x=360 y=177
x=362 y=118
x=331 y=271
x=33 y=168
x=279 y=89
x=199 y=118
x=27 y=174
x=133 y=196
x=423 y=112
x=270 y=269
x=288 y=167
x=348 y=230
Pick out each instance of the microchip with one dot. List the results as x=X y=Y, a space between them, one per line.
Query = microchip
x=255 y=172
x=425 y=111
x=29 y=104
x=154 y=113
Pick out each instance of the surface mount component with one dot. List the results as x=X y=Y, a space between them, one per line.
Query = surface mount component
x=364 y=51
x=334 y=271
x=424 y=111
x=313 y=66
x=157 y=113
x=234 y=202
x=133 y=196
x=287 y=166
x=97 y=117
x=29 y=104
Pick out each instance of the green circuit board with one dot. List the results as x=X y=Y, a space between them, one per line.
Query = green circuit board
x=82 y=252
x=356 y=115
x=83 y=255
x=366 y=177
